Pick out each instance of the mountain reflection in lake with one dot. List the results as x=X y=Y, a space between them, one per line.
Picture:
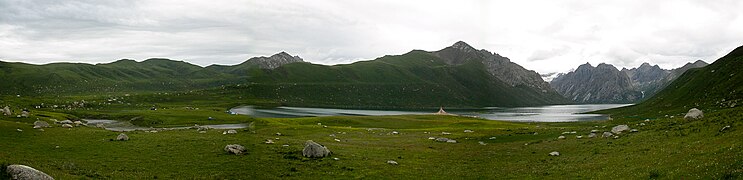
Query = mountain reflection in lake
x=556 y=113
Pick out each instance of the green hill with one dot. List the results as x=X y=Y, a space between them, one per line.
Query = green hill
x=456 y=76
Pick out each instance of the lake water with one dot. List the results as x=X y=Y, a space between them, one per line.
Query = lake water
x=556 y=113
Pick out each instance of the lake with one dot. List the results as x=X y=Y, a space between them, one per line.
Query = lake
x=555 y=113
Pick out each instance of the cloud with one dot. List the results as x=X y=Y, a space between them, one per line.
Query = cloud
x=546 y=36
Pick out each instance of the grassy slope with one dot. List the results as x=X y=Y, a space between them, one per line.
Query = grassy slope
x=665 y=148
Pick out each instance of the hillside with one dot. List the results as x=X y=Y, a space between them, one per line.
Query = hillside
x=606 y=84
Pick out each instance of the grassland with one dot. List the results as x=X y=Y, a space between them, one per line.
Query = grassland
x=665 y=148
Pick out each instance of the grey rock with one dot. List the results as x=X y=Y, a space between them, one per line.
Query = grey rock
x=22 y=172
x=65 y=122
x=607 y=134
x=619 y=129
x=451 y=141
x=41 y=124
x=231 y=131
x=561 y=137
x=235 y=149
x=634 y=130
x=314 y=150
x=554 y=153
x=391 y=162
x=442 y=139
x=694 y=114
x=66 y=126
x=122 y=137
x=6 y=111
x=592 y=135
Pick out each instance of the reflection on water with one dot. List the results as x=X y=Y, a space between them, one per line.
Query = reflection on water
x=557 y=113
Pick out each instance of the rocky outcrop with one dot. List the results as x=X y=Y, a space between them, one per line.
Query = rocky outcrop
x=497 y=66
x=273 y=61
x=22 y=172
x=605 y=84
x=601 y=84
x=41 y=124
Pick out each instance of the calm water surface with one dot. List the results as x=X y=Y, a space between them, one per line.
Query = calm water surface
x=557 y=113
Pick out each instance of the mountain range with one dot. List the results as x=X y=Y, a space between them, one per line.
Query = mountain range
x=459 y=75
x=606 y=84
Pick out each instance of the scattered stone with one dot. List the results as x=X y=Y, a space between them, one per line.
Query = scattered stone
x=482 y=143
x=337 y=140
x=647 y=120
x=468 y=131
x=566 y=132
x=122 y=137
x=554 y=153
x=694 y=114
x=336 y=159
x=314 y=150
x=231 y=131
x=41 y=124
x=445 y=133
x=492 y=138
x=725 y=128
x=561 y=137
x=431 y=138
x=442 y=139
x=202 y=132
x=65 y=122
x=268 y=141
x=6 y=111
x=619 y=129
x=202 y=128
x=535 y=133
x=19 y=130
x=278 y=134
x=66 y=126
x=235 y=149
x=56 y=147
x=391 y=162
x=77 y=123
x=319 y=124
x=579 y=137
x=25 y=114
x=451 y=141
x=642 y=124
x=592 y=135
x=285 y=145
x=395 y=132
x=633 y=130
x=616 y=137
x=325 y=126
x=607 y=134
x=594 y=131
x=23 y=172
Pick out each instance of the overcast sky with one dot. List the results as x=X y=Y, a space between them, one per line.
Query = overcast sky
x=542 y=35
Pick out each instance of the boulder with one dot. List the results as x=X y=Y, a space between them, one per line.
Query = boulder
x=314 y=150
x=694 y=114
x=25 y=114
x=77 y=123
x=6 y=111
x=24 y=172
x=235 y=149
x=231 y=131
x=554 y=153
x=561 y=137
x=66 y=126
x=122 y=137
x=65 y=122
x=607 y=134
x=40 y=124
x=442 y=139
x=592 y=135
x=619 y=129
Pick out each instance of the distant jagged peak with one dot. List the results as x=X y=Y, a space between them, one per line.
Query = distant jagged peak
x=274 y=61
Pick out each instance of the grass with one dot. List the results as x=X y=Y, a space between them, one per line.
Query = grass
x=665 y=148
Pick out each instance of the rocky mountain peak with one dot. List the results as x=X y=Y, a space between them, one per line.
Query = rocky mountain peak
x=274 y=61
x=463 y=46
